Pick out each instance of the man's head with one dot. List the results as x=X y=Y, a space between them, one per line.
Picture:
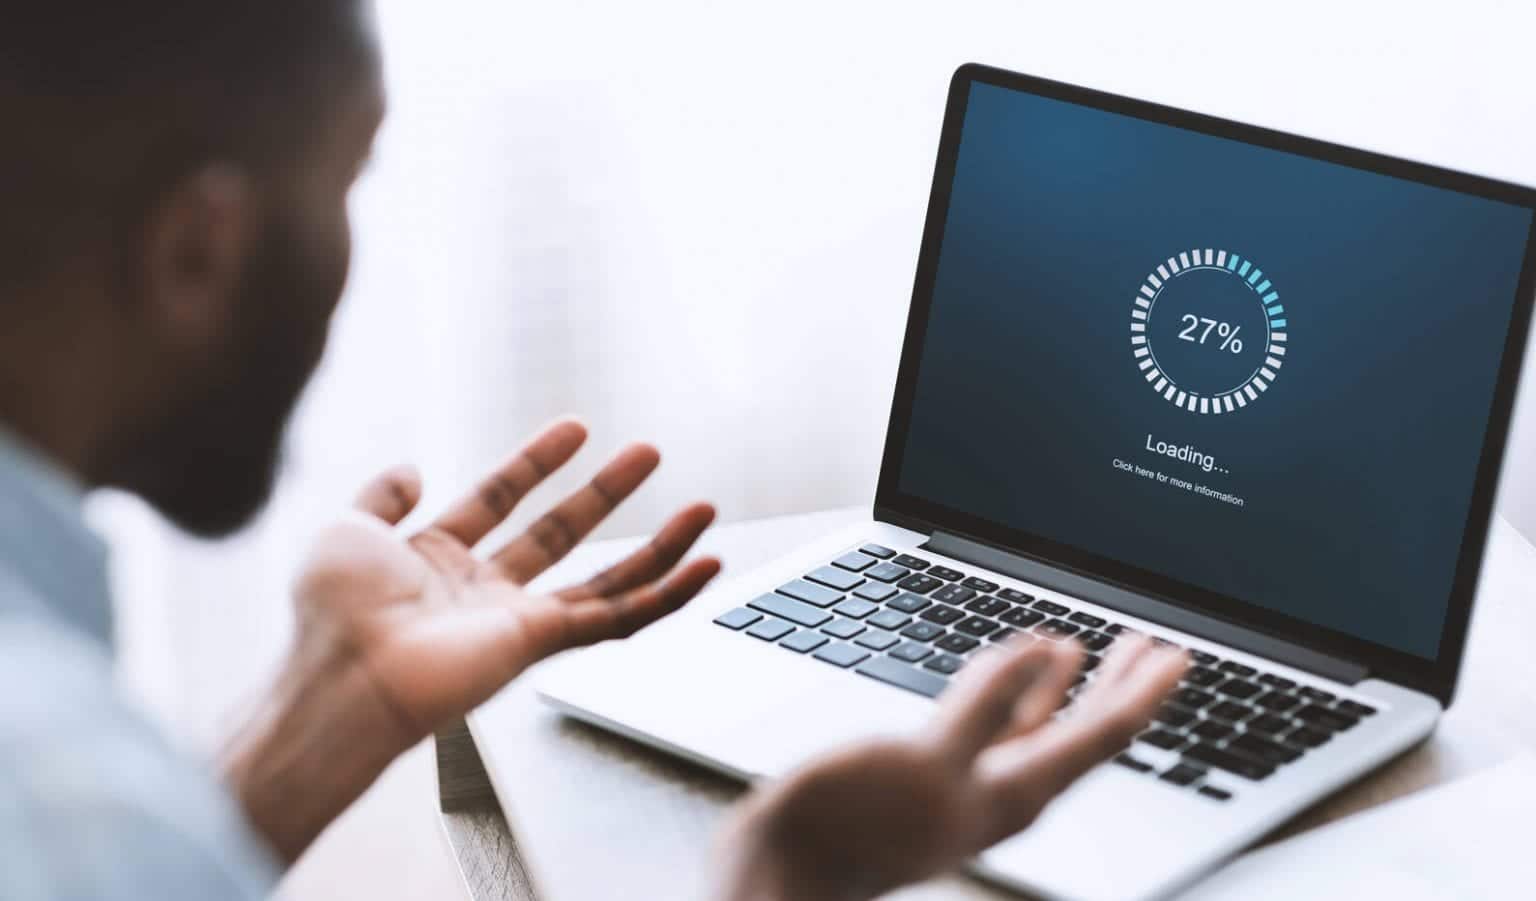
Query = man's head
x=174 y=234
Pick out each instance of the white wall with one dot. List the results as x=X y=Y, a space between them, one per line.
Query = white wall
x=697 y=222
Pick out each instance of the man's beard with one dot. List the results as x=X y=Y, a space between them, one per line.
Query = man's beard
x=210 y=461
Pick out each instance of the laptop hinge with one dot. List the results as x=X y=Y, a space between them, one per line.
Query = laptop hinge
x=1146 y=607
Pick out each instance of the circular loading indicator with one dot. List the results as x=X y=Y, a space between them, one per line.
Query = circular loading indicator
x=1274 y=352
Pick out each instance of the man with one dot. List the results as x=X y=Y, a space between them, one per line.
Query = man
x=173 y=240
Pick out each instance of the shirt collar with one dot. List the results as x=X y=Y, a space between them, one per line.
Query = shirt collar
x=45 y=542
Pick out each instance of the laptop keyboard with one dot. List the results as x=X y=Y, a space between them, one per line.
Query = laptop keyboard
x=908 y=622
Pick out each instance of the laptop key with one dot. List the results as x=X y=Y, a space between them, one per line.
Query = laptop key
x=1203 y=659
x=981 y=585
x=771 y=629
x=840 y=579
x=854 y=608
x=1316 y=694
x=956 y=643
x=738 y=619
x=1268 y=724
x=1274 y=681
x=1263 y=749
x=1231 y=712
x=1278 y=701
x=842 y=655
x=874 y=591
x=1016 y=597
x=843 y=628
x=876 y=641
x=854 y=562
x=1022 y=617
x=794 y=611
x=1174 y=716
x=942 y=615
x=1308 y=737
x=878 y=550
x=1213 y=730
x=987 y=605
x=1237 y=669
x=945 y=573
x=922 y=631
x=1237 y=688
x=1095 y=641
x=894 y=672
x=1057 y=628
x=1323 y=718
x=802 y=590
x=910 y=562
x=888 y=572
x=948 y=664
x=889 y=619
x=977 y=627
x=804 y=641
x=919 y=583
x=1355 y=708
x=1181 y=774
x=1162 y=738
x=1210 y=755
x=1193 y=698
x=907 y=602
x=1219 y=794
x=1004 y=634
x=953 y=594
x=1087 y=619
x=1201 y=676
x=1052 y=608
x=1131 y=763
x=911 y=652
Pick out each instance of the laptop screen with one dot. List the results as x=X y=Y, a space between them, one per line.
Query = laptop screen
x=1254 y=372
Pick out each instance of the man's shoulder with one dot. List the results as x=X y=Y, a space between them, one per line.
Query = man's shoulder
x=93 y=800
x=52 y=674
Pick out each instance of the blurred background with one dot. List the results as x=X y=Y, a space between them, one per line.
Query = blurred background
x=696 y=223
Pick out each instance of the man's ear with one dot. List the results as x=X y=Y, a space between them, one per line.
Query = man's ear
x=197 y=245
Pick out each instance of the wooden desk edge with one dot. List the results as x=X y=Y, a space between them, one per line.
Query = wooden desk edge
x=483 y=846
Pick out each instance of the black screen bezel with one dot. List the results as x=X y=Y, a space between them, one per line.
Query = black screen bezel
x=1435 y=676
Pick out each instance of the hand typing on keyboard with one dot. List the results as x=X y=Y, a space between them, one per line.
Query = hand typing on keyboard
x=864 y=821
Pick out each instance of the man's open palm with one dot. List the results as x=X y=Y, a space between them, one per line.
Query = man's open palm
x=867 y=819
x=437 y=630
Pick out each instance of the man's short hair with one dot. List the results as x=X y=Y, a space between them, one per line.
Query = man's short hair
x=105 y=103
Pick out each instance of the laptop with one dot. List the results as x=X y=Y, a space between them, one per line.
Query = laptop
x=1234 y=389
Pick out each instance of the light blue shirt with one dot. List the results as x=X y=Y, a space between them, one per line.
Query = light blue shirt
x=94 y=803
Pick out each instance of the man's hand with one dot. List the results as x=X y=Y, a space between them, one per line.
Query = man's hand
x=864 y=821
x=399 y=636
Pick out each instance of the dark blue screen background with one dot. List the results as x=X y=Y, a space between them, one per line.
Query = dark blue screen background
x=1356 y=467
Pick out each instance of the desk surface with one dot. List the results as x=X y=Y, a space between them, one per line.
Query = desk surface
x=590 y=810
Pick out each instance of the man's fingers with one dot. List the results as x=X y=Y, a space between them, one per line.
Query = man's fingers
x=600 y=619
x=553 y=535
x=1036 y=708
x=982 y=703
x=1146 y=683
x=392 y=495
x=650 y=562
x=1024 y=775
x=473 y=517
x=1120 y=659
x=1106 y=720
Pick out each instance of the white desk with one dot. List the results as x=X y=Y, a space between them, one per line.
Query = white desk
x=599 y=817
